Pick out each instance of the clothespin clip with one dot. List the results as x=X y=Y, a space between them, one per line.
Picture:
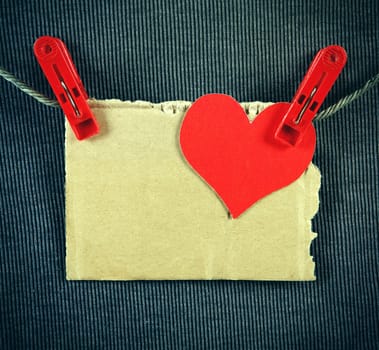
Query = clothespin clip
x=319 y=79
x=60 y=71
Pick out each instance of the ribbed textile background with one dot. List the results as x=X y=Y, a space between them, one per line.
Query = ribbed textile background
x=158 y=51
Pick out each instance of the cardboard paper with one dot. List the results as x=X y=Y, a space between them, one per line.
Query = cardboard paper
x=136 y=210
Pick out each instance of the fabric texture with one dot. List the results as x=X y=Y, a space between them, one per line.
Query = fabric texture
x=164 y=50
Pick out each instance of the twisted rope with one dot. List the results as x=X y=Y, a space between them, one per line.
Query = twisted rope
x=326 y=113
x=19 y=84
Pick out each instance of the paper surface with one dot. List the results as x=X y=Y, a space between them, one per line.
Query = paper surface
x=136 y=210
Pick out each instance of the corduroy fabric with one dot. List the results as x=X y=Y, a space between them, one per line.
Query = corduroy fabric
x=158 y=51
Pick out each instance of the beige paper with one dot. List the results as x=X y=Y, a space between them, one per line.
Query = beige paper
x=136 y=210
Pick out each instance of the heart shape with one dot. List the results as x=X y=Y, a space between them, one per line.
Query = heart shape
x=239 y=159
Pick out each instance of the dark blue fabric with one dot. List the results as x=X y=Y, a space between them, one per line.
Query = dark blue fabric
x=158 y=51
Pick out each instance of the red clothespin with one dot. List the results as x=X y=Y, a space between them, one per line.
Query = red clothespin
x=57 y=65
x=319 y=79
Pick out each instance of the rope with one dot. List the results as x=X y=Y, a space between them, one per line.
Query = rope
x=326 y=113
x=19 y=84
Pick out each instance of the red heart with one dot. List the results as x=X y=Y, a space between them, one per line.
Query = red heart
x=240 y=159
